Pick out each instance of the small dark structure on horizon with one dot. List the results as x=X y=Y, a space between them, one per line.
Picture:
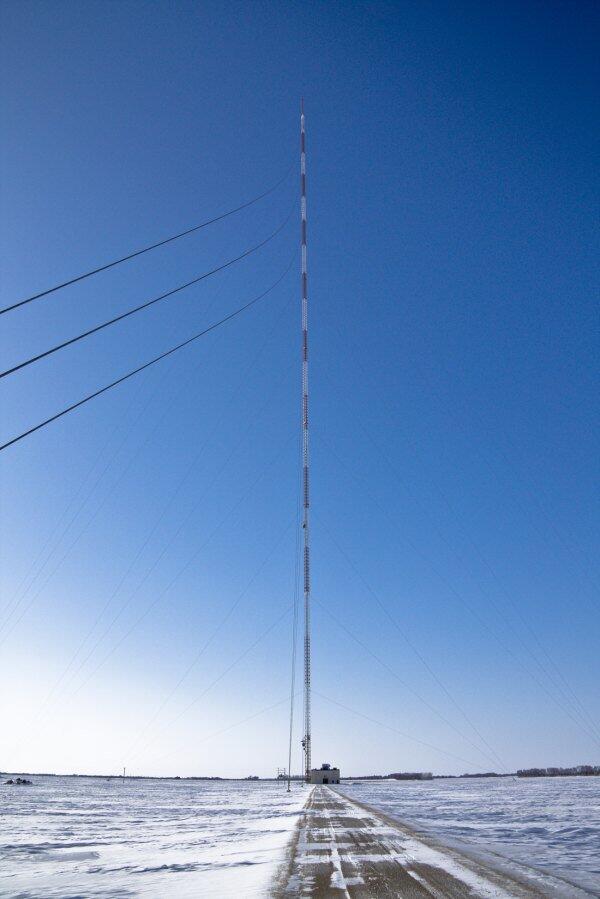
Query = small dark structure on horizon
x=411 y=775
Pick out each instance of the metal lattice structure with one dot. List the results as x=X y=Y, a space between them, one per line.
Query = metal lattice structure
x=306 y=740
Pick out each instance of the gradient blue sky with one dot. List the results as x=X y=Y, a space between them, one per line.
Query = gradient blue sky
x=452 y=216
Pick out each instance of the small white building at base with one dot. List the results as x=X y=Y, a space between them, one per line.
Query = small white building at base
x=324 y=775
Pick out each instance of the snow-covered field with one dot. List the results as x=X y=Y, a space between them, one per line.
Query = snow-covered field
x=86 y=837
x=550 y=823
x=348 y=849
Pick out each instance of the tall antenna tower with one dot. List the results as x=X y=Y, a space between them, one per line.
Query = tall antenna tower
x=305 y=481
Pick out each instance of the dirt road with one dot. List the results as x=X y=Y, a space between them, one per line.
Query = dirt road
x=342 y=848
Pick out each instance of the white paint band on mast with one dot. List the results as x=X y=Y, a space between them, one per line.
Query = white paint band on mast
x=306 y=741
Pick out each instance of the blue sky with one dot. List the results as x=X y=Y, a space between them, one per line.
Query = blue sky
x=452 y=216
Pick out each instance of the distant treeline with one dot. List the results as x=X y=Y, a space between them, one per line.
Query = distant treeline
x=411 y=775
x=484 y=774
x=578 y=770
x=398 y=775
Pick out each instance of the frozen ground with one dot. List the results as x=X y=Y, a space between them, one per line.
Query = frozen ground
x=343 y=848
x=84 y=837
x=550 y=823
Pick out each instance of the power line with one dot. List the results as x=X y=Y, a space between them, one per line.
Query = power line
x=570 y=695
x=566 y=709
x=176 y=576
x=146 y=305
x=161 y=243
x=395 y=730
x=572 y=699
x=156 y=561
x=41 y=559
x=21 y=594
x=492 y=758
x=143 y=414
x=165 y=589
x=140 y=368
x=218 y=678
x=167 y=699
x=412 y=646
x=229 y=727
x=256 y=417
x=114 y=487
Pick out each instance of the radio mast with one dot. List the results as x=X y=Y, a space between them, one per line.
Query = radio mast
x=306 y=740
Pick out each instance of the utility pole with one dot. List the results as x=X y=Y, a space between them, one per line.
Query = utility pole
x=306 y=741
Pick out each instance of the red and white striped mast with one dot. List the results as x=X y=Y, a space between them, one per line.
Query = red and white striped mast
x=306 y=740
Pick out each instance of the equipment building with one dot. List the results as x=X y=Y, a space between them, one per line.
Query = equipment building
x=324 y=775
